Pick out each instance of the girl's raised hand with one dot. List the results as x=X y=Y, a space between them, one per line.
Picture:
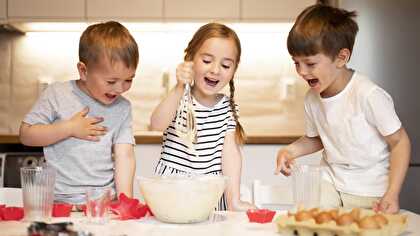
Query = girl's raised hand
x=185 y=73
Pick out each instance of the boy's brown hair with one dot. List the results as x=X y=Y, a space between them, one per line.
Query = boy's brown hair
x=110 y=40
x=322 y=29
x=217 y=30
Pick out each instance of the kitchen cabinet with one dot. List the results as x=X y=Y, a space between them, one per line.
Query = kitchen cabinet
x=202 y=10
x=49 y=10
x=124 y=9
x=275 y=10
x=155 y=10
x=3 y=9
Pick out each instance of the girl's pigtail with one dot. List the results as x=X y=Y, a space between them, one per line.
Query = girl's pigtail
x=239 y=131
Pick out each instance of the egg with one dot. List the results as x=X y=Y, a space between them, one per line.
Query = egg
x=323 y=217
x=314 y=211
x=334 y=214
x=380 y=219
x=345 y=219
x=303 y=215
x=355 y=213
x=368 y=222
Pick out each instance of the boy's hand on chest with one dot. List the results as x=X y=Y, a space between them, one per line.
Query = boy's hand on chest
x=86 y=127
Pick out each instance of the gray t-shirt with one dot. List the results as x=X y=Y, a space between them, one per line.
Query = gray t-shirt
x=81 y=164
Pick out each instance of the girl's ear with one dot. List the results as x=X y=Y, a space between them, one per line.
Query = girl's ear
x=343 y=57
x=81 y=67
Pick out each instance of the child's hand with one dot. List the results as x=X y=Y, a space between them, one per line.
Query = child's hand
x=388 y=204
x=185 y=73
x=284 y=162
x=242 y=206
x=83 y=127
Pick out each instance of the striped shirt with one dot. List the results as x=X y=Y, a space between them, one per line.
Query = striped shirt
x=212 y=125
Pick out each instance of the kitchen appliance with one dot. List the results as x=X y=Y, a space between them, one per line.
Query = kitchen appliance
x=15 y=156
x=2 y=162
x=387 y=49
x=14 y=161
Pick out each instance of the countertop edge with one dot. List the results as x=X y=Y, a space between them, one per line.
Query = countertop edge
x=156 y=138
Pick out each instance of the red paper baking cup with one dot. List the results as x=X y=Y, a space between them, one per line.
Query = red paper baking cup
x=12 y=213
x=61 y=210
x=260 y=215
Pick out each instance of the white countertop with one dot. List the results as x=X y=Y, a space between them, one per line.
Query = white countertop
x=223 y=223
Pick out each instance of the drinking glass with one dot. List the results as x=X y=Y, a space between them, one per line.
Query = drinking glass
x=97 y=205
x=306 y=185
x=38 y=192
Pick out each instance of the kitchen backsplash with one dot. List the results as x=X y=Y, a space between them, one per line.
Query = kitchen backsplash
x=268 y=90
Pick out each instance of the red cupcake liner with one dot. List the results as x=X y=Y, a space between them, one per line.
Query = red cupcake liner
x=129 y=208
x=11 y=213
x=61 y=209
x=260 y=215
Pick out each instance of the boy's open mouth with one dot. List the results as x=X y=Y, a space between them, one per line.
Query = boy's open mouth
x=211 y=82
x=110 y=96
x=313 y=82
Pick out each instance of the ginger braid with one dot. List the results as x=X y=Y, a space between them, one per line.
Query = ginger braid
x=239 y=131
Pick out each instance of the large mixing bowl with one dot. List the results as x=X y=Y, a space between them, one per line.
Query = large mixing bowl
x=182 y=198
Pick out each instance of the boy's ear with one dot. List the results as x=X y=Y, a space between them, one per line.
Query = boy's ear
x=343 y=57
x=82 y=68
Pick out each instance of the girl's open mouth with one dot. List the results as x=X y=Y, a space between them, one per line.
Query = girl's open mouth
x=211 y=82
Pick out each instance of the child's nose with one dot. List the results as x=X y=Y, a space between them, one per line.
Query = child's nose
x=302 y=71
x=119 y=88
x=215 y=68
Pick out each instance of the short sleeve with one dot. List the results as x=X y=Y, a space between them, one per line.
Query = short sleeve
x=381 y=113
x=310 y=128
x=44 y=109
x=125 y=132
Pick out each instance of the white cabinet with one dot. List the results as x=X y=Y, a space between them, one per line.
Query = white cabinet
x=275 y=10
x=46 y=9
x=154 y=10
x=124 y=9
x=3 y=9
x=202 y=9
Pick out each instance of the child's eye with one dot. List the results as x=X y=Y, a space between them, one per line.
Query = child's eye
x=226 y=66
x=111 y=82
x=311 y=64
x=206 y=61
x=129 y=81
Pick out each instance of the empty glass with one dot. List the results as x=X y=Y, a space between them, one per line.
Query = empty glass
x=306 y=185
x=38 y=192
x=97 y=205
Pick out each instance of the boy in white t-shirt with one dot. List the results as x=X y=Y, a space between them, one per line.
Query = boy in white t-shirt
x=366 y=149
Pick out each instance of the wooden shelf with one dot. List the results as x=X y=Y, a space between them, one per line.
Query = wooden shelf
x=156 y=138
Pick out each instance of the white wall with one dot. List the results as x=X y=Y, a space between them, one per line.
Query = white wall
x=258 y=163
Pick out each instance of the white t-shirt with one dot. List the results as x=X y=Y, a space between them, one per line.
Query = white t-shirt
x=351 y=126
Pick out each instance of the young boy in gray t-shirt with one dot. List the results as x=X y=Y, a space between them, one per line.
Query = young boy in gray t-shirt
x=81 y=123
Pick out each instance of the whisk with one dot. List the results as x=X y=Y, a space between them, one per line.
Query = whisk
x=186 y=127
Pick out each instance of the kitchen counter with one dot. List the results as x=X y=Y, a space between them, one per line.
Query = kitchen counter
x=156 y=137
x=224 y=223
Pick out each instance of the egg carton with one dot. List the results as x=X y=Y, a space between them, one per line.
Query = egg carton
x=288 y=225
